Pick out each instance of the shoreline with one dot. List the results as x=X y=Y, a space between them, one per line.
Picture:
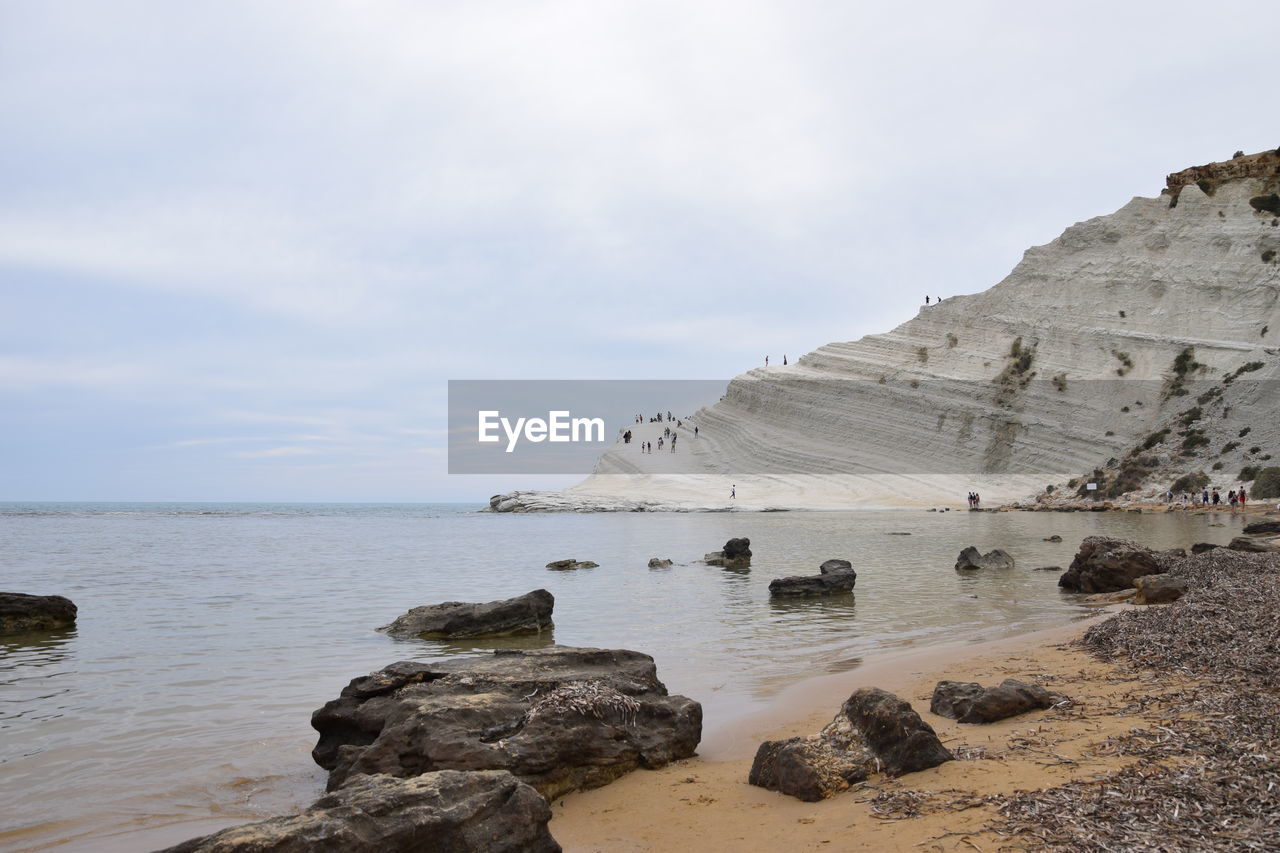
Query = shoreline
x=706 y=799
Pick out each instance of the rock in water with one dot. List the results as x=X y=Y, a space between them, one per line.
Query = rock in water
x=971 y=558
x=1159 y=589
x=566 y=565
x=874 y=731
x=1259 y=528
x=836 y=576
x=1104 y=564
x=970 y=702
x=20 y=612
x=736 y=555
x=525 y=614
x=562 y=719
x=659 y=563
x=1054 y=538
x=445 y=812
x=1251 y=545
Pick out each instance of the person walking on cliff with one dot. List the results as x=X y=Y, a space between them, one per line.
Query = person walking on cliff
x=733 y=492
x=695 y=432
x=784 y=359
x=766 y=361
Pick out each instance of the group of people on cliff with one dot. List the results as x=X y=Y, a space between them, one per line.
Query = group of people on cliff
x=1236 y=498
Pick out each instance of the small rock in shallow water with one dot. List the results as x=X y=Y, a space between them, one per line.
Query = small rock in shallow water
x=525 y=614
x=566 y=565
x=659 y=563
x=20 y=612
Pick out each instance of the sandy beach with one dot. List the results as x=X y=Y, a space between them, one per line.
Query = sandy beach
x=705 y=802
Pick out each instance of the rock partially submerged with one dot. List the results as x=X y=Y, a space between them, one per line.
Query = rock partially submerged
x=1054 y=538
x=972 y=558
x=525 y=614
x=20 y=612
x=736 y=555
x=447 y=811
x=835 y=576
x=1105 y=564
x=874 y=731
x=970 y=702
x=1253 y=545
x=561 y=719
x=1260 y=528
x=659 y=563
x=569 y=565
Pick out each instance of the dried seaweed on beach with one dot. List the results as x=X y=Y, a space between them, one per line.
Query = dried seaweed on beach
x=588 y=698
x=1207 y=775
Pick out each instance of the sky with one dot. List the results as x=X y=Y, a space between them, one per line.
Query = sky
x=245 y=245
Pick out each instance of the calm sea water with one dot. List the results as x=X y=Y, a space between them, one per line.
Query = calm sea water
x=208 y=633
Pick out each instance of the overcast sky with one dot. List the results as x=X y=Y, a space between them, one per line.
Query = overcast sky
x=244 y=245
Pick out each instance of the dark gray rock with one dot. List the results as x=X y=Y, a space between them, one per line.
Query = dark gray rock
x=971 y=558
x=525 y=614
x=444 y=812
x=561 y=719
x=1258 y=528
x=835 y=566
x=736 y=555
x=1159 y=589
x=894 y=732
x=1203 y=547
x=659 y=563
x=1054 y=538
x=1049 y=569
x=1105 y=564
x=875 y=731
x=827 y=583
x=567 y=565
x=20 y=612
x=970 y=702
x=1250 y=545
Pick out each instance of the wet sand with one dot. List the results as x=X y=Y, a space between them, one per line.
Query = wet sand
x=705 y=803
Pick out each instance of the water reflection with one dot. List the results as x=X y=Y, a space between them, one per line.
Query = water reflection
x=820 y=610
x=483 y=645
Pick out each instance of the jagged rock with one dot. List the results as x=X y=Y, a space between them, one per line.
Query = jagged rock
x=736 y=555
x=1257 y=528
x=971 y=558
x=1159 y=589
x=835 y=566
x=567 y=565
x=560 y=718
x=1054 y=538
x=446 y=812
x=874 y=731
x=20 y=612
x=659 y=563
x=1253 y=546
x=970 y=702
x=826 y=583
x=1203 y=547
x=525 y=614
x=1105 y=564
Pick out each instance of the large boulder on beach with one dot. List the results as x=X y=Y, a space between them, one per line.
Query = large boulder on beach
x=1253 y=545
x=736 y=555
x=446 y=812
x=1159 y=589
x=20 y=612
x=561 y=719
x=834 y=577
x=1106 y=564
x=970 y=702
x=525 y=614
x=874 y=731
x=972 y=558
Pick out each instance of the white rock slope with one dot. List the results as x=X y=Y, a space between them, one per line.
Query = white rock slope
x=1061 y=366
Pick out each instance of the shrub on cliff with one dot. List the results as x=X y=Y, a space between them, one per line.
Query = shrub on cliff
x=1267 y=483
x=1191 y=482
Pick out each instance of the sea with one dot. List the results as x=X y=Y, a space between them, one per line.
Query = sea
x=209 y=633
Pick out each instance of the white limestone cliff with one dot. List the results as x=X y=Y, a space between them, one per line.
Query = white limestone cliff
x=1069 y=362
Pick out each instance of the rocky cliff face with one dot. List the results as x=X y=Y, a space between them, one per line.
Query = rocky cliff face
x=1094 y=342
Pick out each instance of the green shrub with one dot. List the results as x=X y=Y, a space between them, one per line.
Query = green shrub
x=1209 y=395
x=1230 y=446
x=1048 y=490
x=952 y=340
x=1217 y=466
x=1248 y=472
x=1189 y=417
x=1060 y=381
x=1267 y=483
x=1126 y=363
x=1268 y=256
x=1244 y=432
x=1154 y=439
x=1255 y=449
x=922 y=355
x=1269 y=203
x=1190 y=482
